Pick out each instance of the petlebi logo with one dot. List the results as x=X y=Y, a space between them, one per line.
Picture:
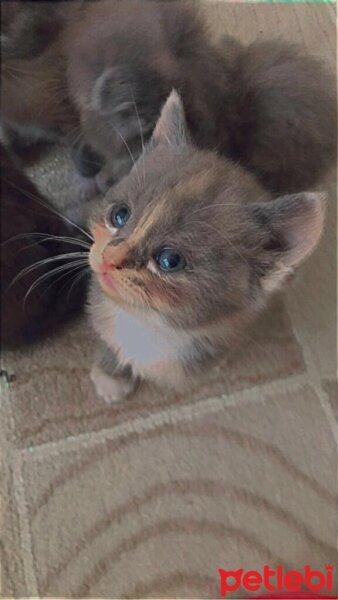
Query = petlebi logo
x=276 y=580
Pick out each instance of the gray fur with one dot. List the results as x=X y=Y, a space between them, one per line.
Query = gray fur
x=240 y=244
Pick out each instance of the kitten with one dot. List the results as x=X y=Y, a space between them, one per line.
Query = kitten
x=188 y=247
x=265 y=105
x=31 y=231
x=35 y=104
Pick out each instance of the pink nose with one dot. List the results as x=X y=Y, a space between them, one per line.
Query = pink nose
x=114 y=257
x=106 y=266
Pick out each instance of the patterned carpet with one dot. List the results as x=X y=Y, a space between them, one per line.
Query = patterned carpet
x=150 y=497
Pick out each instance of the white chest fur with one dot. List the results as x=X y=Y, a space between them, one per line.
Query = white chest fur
x=141 y=341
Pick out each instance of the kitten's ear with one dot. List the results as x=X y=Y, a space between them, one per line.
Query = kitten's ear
x=113 y=91
x=171 y=128
x=293 y=225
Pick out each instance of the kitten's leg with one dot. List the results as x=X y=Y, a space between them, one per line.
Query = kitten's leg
x=87 y=164
x=19 y=139
x=113 y=381
x=180 y=374
x=172 y=377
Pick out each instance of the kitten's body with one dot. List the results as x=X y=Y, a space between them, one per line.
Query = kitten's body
x=267 y=105
x=35 y=104
x=125 y=57
x=36 y=107
x=238 y=242
x=152 y=349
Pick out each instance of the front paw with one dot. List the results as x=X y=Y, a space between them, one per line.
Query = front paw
x=111 y=389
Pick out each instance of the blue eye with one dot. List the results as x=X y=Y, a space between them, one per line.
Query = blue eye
x=169 y=260
x=119 y=216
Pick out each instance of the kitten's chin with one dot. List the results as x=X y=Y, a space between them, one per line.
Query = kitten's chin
x=108 y=286
x=120 y=296
x=112 y=290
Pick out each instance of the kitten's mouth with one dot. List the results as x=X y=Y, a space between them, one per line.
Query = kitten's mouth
x=107 y=282
x=111 y=287
x=104 y=275
x=114 y=290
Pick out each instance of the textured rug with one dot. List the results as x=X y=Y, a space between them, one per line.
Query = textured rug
x=150 y=497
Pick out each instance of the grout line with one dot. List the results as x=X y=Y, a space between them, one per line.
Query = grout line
x=175 y=415
x=313 y=378
x=25 y=533
x=327 y=408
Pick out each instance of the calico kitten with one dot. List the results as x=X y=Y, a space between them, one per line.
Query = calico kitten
x=31 y=232
x=188 y=247
x=265 y=105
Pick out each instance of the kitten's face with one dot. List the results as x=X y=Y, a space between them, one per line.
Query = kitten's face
x=117 y=115
x=116 y=81
x=192 y=236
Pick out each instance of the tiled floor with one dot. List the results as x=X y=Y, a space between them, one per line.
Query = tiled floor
x=151 y=497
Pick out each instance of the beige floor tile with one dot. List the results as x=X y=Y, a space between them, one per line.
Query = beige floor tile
x=161 y=510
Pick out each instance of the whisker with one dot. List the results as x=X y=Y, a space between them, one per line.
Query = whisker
x=75 y=135
x=21 y=236
x=53 y=210
x=45 y=276
x=76 y=280
x=141 y=131
x=46 y=237
x=130 y=153
x=32 y=73
x=69 y=272
x=45 y=261
x=55 y=238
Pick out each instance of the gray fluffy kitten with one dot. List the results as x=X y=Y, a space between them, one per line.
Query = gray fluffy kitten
x=187 y=249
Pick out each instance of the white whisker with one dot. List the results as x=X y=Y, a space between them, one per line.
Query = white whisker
x=45 y=276
x=55 y=238
x=47 y=237
x=45 y=261
x=69 y=272
x=52 y=210
x=130 y=153
x=140 y=128
x=76 y=280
